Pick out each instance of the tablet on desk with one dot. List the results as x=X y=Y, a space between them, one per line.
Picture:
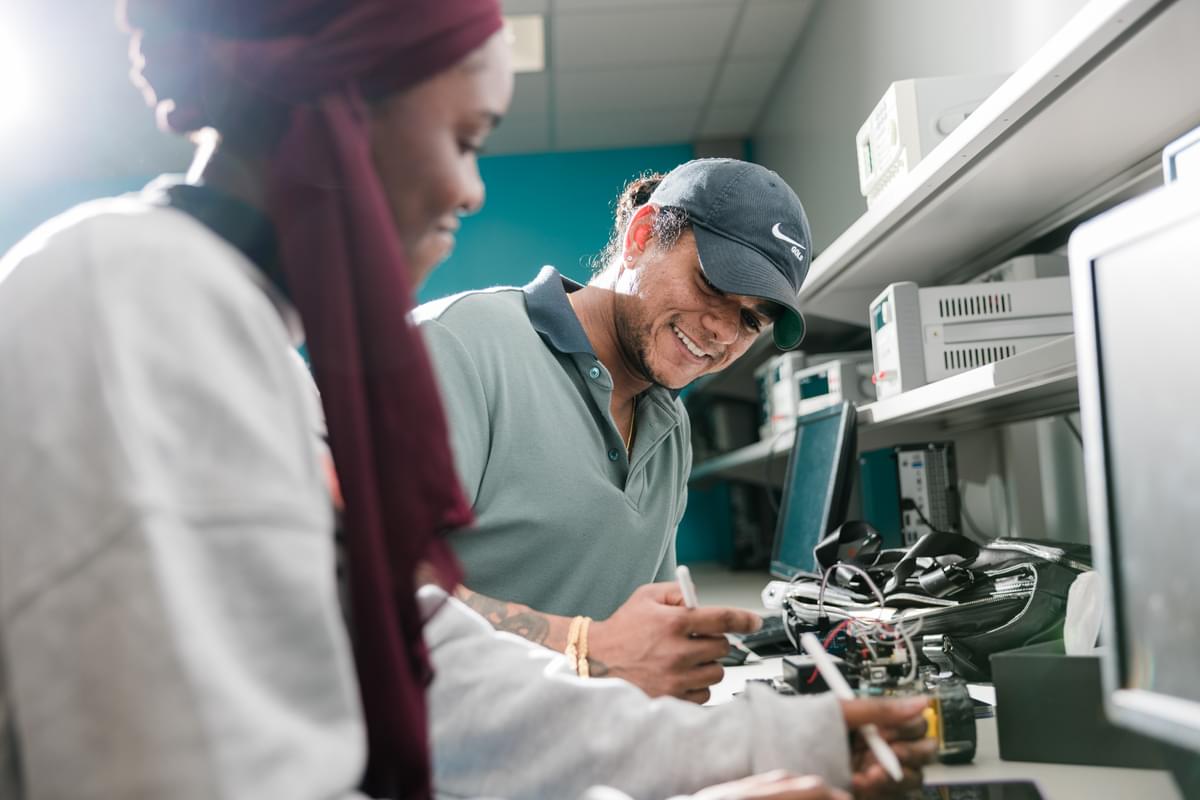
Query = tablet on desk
x=985 y=790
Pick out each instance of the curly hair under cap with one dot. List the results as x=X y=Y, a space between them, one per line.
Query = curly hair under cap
x=669 y=225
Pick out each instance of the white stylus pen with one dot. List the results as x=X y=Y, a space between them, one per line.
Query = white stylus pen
x=686 y=587
x=841 y=690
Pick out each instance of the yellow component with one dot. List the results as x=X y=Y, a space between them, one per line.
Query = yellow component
x=933 y=729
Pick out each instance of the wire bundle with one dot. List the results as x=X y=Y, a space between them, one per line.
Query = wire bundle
x=866 y=630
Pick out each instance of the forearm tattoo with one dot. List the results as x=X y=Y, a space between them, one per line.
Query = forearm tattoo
x=510 y=617
x=531 y=625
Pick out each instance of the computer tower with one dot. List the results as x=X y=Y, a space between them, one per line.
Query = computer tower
x=909 y=490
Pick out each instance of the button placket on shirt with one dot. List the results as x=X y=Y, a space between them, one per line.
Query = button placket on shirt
x=602 y=393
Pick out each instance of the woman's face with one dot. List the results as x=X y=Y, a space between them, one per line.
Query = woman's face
x=425 y=142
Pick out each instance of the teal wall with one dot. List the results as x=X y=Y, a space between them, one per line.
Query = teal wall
x=547 y=208
x=706 y=532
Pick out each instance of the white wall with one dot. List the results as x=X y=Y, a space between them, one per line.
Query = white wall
x=849 y=53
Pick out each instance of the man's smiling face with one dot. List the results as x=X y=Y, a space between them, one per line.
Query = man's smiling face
x=673 y=325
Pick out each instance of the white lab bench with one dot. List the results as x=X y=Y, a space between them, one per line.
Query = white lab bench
x=719 y=586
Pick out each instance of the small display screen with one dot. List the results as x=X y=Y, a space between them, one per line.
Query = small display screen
x=879 y=315
x=814 y=386
x=816 y=489
x=999 y=790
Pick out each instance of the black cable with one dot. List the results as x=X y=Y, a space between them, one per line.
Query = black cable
x=908 y=504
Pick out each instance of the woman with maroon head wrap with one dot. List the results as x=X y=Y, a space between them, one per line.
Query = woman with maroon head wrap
x=317 y=102
x=240 y=684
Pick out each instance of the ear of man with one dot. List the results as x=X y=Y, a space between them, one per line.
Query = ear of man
x=639 y=234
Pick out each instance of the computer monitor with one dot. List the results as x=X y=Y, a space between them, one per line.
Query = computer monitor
x=816 y=491
x=1135 y=275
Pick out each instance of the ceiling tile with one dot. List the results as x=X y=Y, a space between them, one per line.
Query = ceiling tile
x=722 y=121
x=631 y=89
x=642 y=35
x=770 y=27
x=746 y=83
x=592 y=130
x=520 y=133
x=578 y=5
x=524 y=6
x=531 y=94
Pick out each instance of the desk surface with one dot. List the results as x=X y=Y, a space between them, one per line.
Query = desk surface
x=1057 y=781
x=717 y=586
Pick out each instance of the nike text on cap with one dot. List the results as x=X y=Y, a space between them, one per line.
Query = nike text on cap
x=751 y=233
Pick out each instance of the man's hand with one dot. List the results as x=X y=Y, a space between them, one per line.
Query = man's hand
x=777 y=785
x=902 y=725
x=656 y=643
x=652 y=640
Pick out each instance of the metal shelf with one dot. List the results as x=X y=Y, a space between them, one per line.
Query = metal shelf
x=1036 y=383
x=823 y=337
x=1078 y=127
x=748 y=463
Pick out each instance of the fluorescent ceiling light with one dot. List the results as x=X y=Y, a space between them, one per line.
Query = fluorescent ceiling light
x=526 y=34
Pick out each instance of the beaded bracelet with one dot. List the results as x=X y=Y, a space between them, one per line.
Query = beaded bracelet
x=577 y=645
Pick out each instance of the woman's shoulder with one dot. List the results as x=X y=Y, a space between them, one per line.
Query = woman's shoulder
x=122 y=250
x=121 y=233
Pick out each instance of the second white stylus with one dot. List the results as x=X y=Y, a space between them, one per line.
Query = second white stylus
x=841 y=690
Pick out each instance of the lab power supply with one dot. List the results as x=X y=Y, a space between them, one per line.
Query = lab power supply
x=923 y=335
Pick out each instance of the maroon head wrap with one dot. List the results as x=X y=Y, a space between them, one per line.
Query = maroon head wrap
x=210 y=63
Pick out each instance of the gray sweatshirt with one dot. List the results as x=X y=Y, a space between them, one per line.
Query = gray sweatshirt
x=510 y=719
x=169 y=622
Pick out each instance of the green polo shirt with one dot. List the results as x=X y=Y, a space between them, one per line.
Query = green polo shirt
x=565 y=522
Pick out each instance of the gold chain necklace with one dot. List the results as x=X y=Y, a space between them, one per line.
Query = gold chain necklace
x=632 y=421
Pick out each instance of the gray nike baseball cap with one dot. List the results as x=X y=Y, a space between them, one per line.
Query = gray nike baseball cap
x=751 y=233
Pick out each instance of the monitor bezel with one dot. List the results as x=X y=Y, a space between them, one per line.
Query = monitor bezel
x=1152 y=713
x=836 y=490
x=1171 y=153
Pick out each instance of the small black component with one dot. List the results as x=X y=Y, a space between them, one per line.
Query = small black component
x=769 y=640
x=800 y=673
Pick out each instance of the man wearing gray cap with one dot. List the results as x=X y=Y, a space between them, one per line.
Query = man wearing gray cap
x=567 y=434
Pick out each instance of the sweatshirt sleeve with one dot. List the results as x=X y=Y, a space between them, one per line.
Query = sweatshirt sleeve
x=170 y=618
x=510 y=719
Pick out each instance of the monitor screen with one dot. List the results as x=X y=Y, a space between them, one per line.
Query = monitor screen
x=817 y=488
x=1136 y=276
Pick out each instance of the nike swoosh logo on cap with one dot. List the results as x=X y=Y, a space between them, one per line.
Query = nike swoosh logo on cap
x=778 y=234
